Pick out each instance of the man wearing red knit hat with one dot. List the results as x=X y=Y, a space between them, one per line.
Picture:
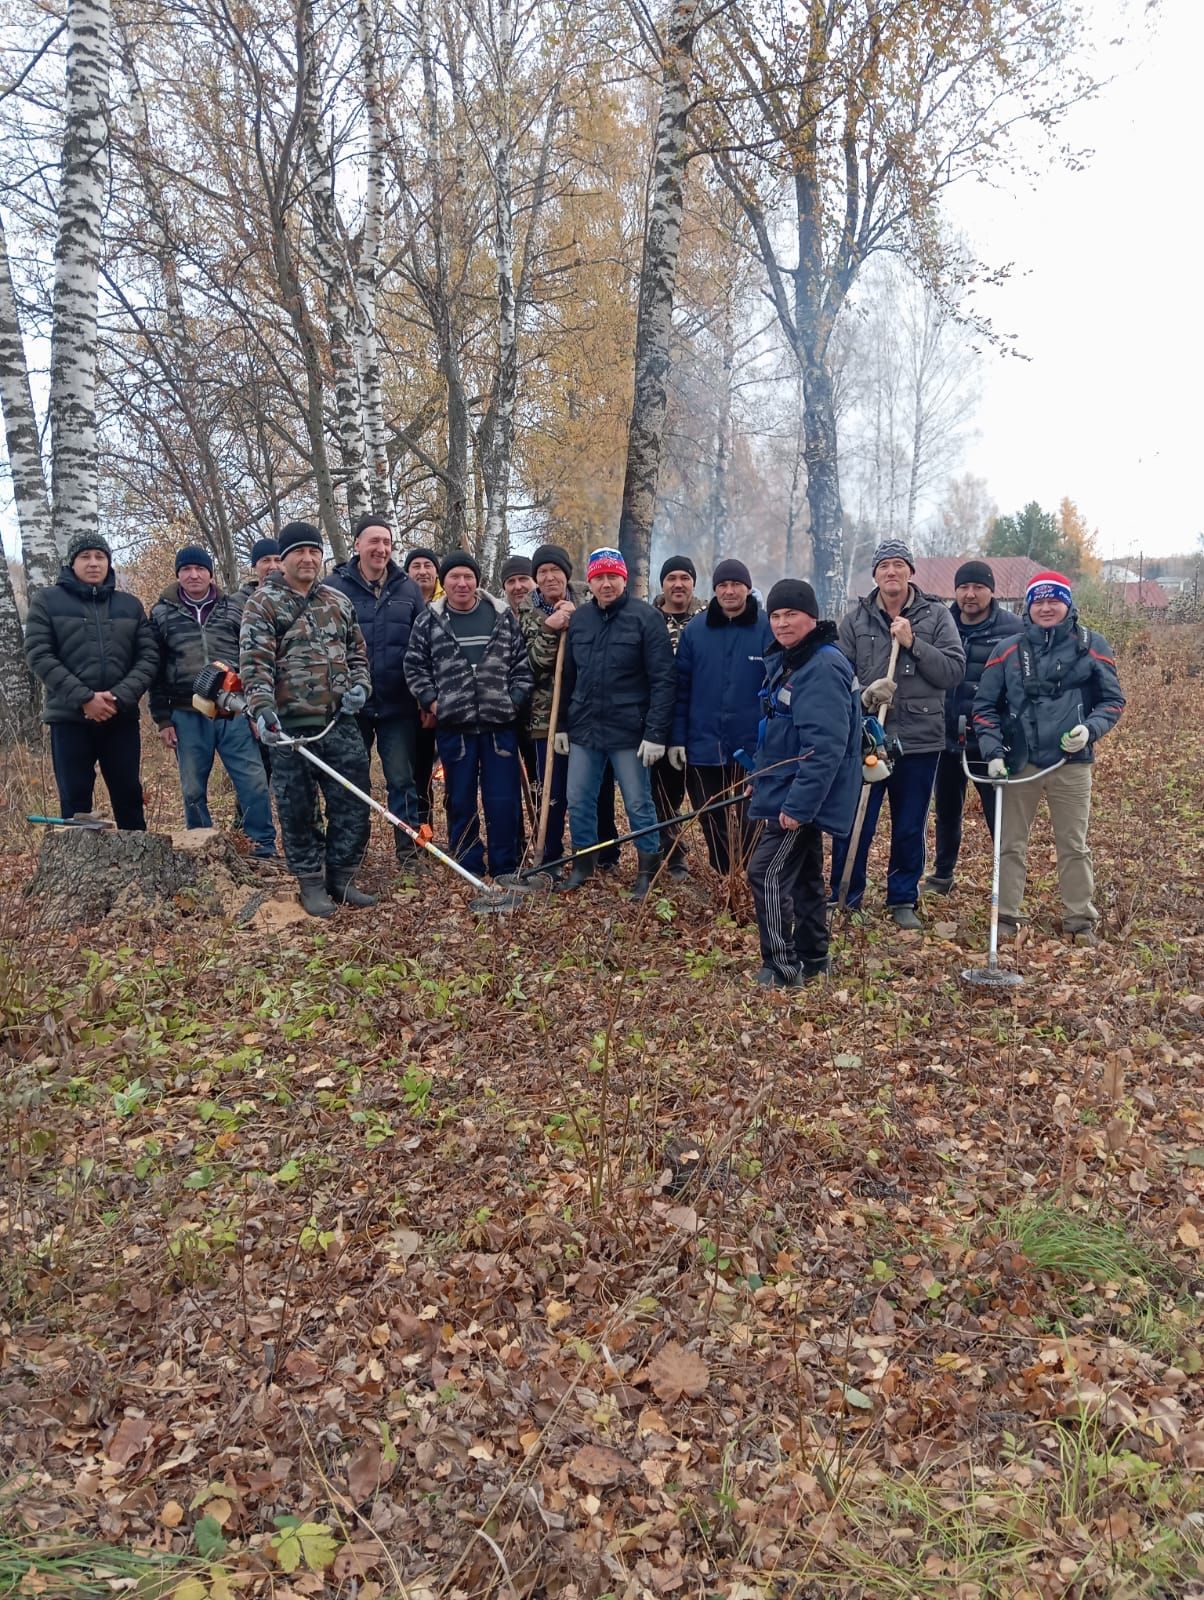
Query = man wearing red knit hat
x=1056 y=682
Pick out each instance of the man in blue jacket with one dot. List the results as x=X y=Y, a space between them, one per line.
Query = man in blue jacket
x=1057 y=682
x=720 y=669
x=387 y=603
x=982 y=624
x=619 y=685
x=805 y=783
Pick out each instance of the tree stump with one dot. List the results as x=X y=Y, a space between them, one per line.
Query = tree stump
x=83 y=877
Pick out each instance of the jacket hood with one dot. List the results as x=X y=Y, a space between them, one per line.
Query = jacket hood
x=1067 y=625
x=916 y=601
x=107 y=584
x=439 y=606
x=717 y=617
x=173 y=595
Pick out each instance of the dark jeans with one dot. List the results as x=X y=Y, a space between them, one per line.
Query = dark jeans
x=668 y=792
x=483 y=762
x=786 y=875
x=424 y=766
x=396 y=743
x=719 y=827
x=909 y=790
x=950 y=805
x=296 y=785
x=559 y=804
x=591 y=773
x=77 y=748
x=199 y=740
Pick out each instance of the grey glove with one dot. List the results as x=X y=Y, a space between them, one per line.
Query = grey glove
x=560 y=744
x=268 y=727
x=998 y=768
x=650 y=753
x=1076 y=739
x=354 y=700
x=677 y=757
x=879 y=693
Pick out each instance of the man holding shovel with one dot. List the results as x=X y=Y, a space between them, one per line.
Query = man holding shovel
x=930 y=662
x=1057 y=681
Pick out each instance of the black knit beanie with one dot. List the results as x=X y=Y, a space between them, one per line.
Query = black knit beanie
x=194 y=555
x=974 y=572
x=792 y=594
x=297 y=535
x=680 y=564
x=370 y=520
x=263 y=547
x=421 y=552
x=458 y=558
x=551 y=555
x=515 y=567
x=731 y=571
x=87 y=541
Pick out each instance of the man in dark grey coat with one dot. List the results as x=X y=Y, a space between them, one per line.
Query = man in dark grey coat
x=94 y=650
x=931 y=662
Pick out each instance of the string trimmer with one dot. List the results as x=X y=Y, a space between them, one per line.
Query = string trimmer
x=993 y=976
x=636 y=833
x=875 y=767
x=218 y=692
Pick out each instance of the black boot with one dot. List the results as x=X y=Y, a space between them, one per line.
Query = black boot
x=314 y=897
x=582 y=871
x=344 y=891
x=647 y=864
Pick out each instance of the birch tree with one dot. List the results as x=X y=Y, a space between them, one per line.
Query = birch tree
x=367 y=267
x=39 y=549
x=74 y=492
x=658 y=277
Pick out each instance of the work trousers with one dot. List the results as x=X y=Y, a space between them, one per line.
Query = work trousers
x=308 y=845
x=949 y=803
x=483 y=762
x=908 y=791
x=424 y=767
x=199 y=740
x=786 y=875
x=720 y=828
x=587 y=778
x=668 y=792
x=1068 y=793
x=77 y=748
x=396 y=742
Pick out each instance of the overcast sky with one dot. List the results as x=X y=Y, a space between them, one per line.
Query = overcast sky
x=1106 y=300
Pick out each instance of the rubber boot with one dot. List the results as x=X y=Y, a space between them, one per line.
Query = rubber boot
x=314 y=897
x=580 y=873
x=647 y=863
x=344 y=891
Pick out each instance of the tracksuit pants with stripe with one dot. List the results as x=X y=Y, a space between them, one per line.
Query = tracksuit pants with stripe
x=786 y=875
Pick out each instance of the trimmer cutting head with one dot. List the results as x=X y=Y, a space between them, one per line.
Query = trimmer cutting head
x=990 y=978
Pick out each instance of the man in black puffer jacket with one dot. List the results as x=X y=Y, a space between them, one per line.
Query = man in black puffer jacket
x=1057 y=683
x=983 y=625
x=620 y=683
x=195 y=624
x=94 y=650
x=387 y=605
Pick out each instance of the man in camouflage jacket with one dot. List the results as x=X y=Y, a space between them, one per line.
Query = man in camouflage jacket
x=304 y=667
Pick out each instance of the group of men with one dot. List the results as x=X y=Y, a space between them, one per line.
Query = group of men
x=753 y=710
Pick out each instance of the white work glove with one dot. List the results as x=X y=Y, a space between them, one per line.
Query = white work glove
x=677 y=757
x=650 y=753
x=1076 y=739
x=879 y=693
x=268 y=727
x=560 y=744
x=997 y=768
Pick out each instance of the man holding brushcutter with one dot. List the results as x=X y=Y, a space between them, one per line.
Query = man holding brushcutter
x=804 y=784
x=678 y=606
x=929 y=661
x=1057 y=683
x=467 y=667
x=619 y=685
x=304 y=669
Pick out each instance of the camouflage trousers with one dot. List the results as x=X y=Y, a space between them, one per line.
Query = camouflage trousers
x=296 y=784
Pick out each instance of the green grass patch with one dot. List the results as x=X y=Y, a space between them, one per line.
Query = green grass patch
x=1081 y=1249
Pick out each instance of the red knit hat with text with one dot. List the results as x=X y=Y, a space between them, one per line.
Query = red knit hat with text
x=1048 y=586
